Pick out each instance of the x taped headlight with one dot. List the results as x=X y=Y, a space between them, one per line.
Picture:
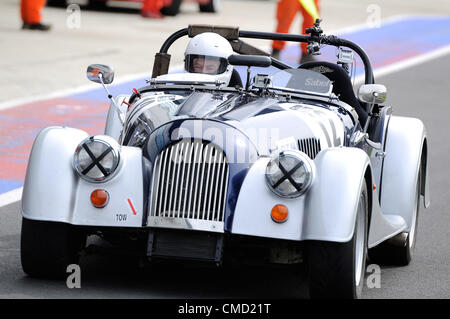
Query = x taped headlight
x=96 y=158
x=289 y=173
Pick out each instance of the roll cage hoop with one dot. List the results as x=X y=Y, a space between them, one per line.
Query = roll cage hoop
x=233 y=34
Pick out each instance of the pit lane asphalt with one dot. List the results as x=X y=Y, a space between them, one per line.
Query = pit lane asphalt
x=420 y=91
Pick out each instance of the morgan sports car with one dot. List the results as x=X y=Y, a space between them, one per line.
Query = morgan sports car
x=281 y=165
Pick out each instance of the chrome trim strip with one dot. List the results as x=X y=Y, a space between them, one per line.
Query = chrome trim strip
x=186 y=223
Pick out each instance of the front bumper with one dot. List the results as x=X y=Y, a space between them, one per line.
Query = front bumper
x=221 y=247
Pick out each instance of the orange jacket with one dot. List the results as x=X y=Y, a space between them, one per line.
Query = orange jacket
x=153 y=5
x=286 y=12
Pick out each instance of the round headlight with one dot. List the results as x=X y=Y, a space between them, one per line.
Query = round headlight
x=289 y=173
x=96 y=158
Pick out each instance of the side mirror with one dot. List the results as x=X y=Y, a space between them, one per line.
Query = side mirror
x=372 y=93
x=107 y=73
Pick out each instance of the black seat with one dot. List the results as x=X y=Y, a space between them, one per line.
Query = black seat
x=342 y=86
x=235 y=79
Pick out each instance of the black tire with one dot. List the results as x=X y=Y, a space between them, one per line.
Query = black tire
x=47 y=248
x=331 y=266
x=398 y=251
x=173 y=9
x=56 y=3
x=212 y=6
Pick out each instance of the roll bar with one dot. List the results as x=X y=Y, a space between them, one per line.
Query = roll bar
x=233 y=34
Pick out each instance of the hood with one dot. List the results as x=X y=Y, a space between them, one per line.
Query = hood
x=268 y=124
x=289 y=126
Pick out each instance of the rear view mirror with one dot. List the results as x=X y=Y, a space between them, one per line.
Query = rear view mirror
x=106 y=72
x=249 y=60
x=372 y=93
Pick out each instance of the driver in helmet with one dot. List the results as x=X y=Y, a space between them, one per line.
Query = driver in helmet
x=208 y=53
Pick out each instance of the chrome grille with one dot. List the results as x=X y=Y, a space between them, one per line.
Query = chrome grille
x=310 y=146
x=189 y=186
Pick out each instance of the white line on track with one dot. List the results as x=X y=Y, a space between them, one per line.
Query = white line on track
x=11 y=196
x=65 y=92
x=395 y=67
x=385 y=22
x=80 y=89
x=16 y=194
x=398 y=66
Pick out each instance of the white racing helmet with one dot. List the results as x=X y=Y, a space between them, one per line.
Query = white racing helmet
x=208 y=53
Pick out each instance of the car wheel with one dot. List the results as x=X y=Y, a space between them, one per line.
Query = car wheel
x=398 y=250
x=336 y=270
x=173 y=9
x=47 y=248
x=212 y=6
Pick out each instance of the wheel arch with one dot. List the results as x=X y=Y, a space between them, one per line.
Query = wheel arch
x=369 y=182
x=424 y=187
x=343 y=172
x=406 y=156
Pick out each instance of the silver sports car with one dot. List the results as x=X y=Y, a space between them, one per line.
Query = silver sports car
x=283 y=165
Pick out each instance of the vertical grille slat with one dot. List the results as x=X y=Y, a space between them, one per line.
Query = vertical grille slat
x=223 y=195
x=177 y=161
x=188 y=167
x=213 y=181
x=163 y=170
x=157 y=164
x=318 y=146
x=207 y=194
x=193 y=182
x=222 y=173
x=169 y=190
x=180 y=179
x=310 y=146
x=200 y=185
x=315 y=148
x=216 y=188
x=172 y=167
x=190 y=181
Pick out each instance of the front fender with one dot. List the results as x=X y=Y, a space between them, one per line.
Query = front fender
x=331 y=204
x=54 y=192
x=50 y=180
x=326 y=212
x=405 y=149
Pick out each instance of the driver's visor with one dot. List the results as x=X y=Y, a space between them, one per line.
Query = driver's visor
x=207 y=64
